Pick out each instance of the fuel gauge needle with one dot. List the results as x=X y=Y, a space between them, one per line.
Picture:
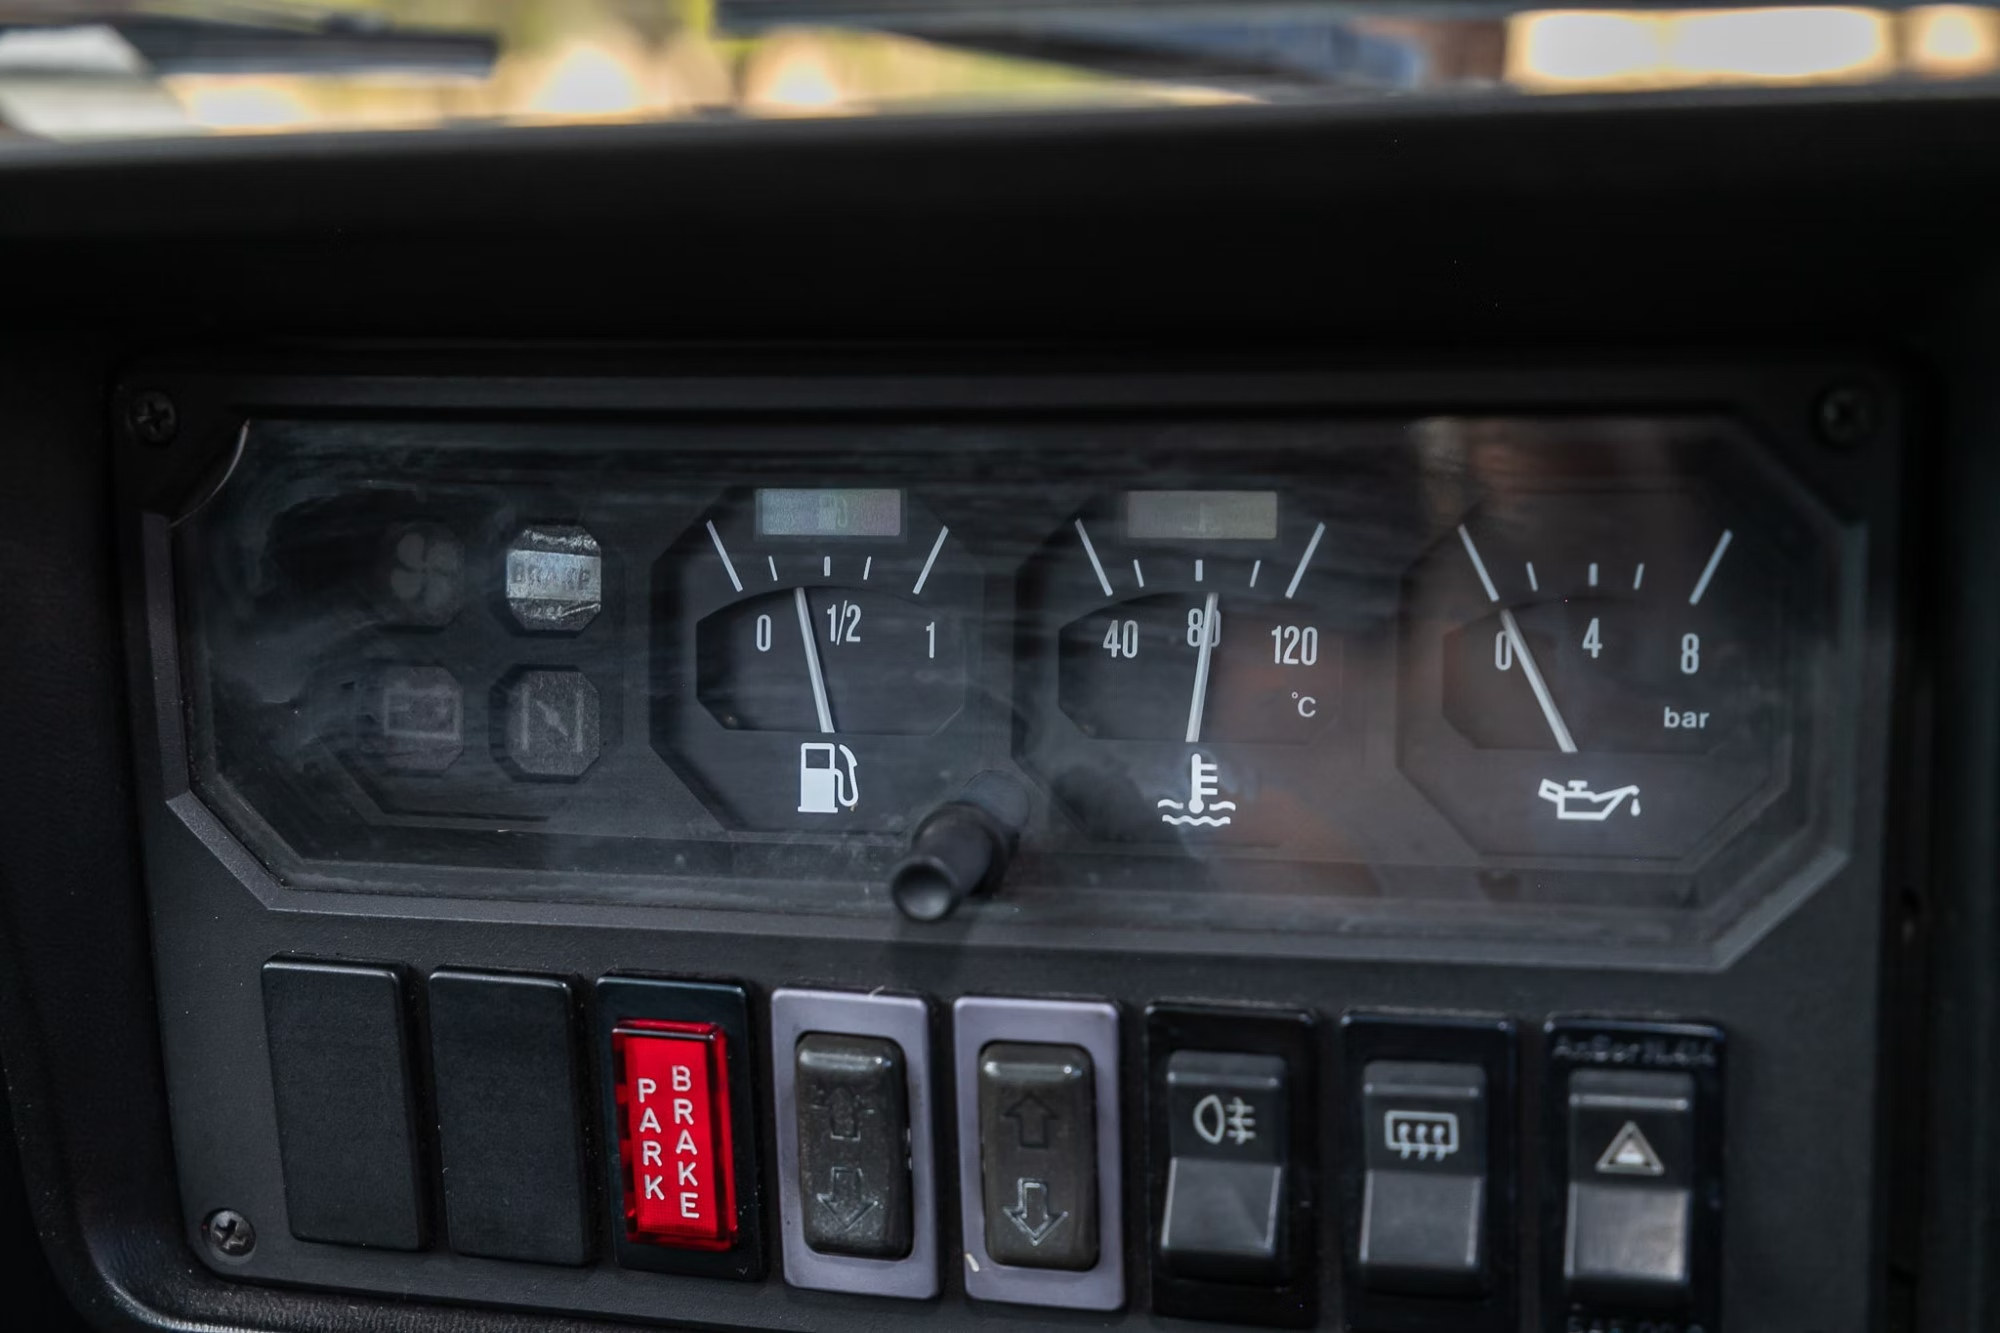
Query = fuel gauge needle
x=1208 y=637
x=812 y=664
x=1522 y=653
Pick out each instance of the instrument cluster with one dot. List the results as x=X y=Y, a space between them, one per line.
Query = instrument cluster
x=1576 y=674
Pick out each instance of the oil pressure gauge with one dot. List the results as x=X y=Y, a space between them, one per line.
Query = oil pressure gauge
x=1597 y=675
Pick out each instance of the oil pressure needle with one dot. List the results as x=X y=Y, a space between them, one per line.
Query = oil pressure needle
x=812 y=663
x=1208 y=638
x=1519 y=642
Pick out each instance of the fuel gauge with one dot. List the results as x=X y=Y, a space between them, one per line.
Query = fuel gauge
x=813 y=654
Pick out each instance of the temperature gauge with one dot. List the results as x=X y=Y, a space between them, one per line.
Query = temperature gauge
x=1193 y=664
x=815 y=651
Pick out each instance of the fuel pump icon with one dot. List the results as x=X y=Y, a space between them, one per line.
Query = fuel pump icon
x=826 y=778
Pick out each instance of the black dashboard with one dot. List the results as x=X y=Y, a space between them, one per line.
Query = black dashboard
x=1364 y=718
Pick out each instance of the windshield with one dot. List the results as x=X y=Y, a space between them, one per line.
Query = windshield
x=128 y=69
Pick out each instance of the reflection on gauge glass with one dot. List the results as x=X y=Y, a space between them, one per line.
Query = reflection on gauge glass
x=812 y=658
x=1192 y=664
x=1598 y=675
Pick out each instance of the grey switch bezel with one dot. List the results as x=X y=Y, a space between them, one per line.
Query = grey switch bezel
x=978 y=1020
x=905 y=1020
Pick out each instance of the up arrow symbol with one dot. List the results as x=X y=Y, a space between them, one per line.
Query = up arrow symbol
x=1031 y=1211
x=1031 y=1121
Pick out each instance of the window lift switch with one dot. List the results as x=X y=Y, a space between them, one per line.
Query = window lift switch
x=854 y=1154
x=1038 y=1155
x=1423 y=1211
x=1224 y=1218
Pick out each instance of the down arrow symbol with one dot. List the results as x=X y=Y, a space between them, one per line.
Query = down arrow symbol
x=1031 y=1211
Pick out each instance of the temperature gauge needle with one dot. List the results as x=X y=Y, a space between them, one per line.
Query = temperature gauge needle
x=812 y=664
x=1522 y=653
x=1208 y=638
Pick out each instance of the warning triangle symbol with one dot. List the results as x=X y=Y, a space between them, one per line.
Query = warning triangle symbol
x=1630 y=1155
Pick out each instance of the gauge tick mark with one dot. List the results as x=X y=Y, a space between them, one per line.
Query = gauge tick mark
x=1096 y=564
x=1701 y=584
x=1306 y=559
x=728 y=566
x=936 y=546
x=1478 y=565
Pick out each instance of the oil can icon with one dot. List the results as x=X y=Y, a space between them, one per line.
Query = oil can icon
x=1579 y=802
x=827 y=783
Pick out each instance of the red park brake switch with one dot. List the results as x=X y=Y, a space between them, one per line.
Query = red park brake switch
x=674 y=1134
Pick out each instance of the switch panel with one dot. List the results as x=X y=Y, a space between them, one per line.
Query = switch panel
x=857 y=1181
x=340 y=1075
x=1634 y=1193
x=1039 y=1149
x=1428 y=1185
x=680 y=1133
x=1231 y=1130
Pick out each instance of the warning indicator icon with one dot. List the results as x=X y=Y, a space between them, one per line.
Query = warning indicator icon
x=1630 y=1155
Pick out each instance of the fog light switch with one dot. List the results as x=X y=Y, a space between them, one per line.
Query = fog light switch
x=1224 y=1218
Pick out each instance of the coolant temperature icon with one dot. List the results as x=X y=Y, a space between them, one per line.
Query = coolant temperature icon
x=1201 y=807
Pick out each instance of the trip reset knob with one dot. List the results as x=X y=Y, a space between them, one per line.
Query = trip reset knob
x=962 y=848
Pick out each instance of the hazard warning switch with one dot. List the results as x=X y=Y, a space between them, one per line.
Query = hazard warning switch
x=674 y=1134
x=1631 y=1215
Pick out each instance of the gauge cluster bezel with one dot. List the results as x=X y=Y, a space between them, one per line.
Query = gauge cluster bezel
x=1062 y=884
